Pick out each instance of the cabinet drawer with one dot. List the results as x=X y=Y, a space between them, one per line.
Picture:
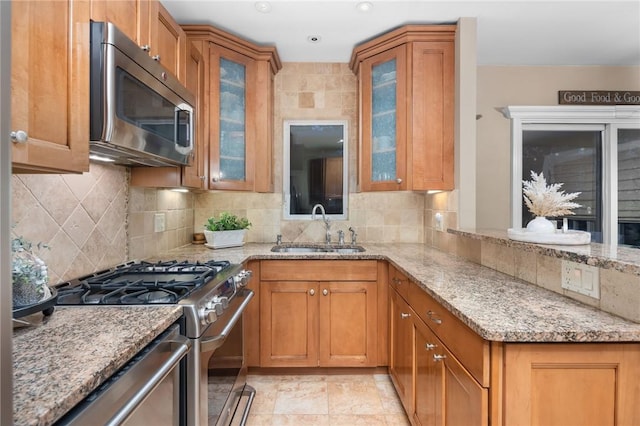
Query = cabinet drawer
x=319 y=270
x=464 y=343
x=399 y=282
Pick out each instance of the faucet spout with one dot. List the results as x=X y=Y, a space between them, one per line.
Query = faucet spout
x=324 y=219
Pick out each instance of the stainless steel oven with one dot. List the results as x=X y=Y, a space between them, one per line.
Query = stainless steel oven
x=213 y=296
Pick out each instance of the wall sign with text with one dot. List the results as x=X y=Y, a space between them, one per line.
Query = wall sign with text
x=598 y=97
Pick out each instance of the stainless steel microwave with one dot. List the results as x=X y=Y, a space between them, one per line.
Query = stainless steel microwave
x=140 y=114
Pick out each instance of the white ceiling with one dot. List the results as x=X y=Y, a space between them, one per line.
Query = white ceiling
x=512 y=32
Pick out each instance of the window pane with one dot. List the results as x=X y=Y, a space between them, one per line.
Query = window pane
x=629 y=187
x=574 y=158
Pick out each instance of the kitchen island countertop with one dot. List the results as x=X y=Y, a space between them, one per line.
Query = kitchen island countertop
x=60 y=361
x=496 y=306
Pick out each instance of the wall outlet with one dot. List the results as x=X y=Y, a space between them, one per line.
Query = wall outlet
x=439 y=222
x=581 y=278
x=159 y=222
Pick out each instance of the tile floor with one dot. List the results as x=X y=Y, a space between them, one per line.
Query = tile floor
x=362 y=399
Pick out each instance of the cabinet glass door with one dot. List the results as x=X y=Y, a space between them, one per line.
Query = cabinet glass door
x=232 y=120
x=383 y=121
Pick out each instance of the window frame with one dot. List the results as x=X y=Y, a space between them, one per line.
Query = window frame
x=608 y=119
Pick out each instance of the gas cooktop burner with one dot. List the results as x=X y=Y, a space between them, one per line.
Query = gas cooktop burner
x=140 y=283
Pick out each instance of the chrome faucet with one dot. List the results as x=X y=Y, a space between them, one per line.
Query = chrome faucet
x=341 y=237
x=327 y=225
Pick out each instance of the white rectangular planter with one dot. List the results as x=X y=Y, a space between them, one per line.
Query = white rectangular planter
x=223 y=239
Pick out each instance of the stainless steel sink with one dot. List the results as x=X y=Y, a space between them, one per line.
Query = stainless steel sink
x=314 y=248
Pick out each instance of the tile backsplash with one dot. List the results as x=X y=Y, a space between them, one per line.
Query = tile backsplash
x=82 y=219
x=96 y=220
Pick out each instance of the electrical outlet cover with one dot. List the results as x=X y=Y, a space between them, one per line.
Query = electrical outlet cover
x=581 y=278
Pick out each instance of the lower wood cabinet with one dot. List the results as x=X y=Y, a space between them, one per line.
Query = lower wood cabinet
x=318 y=313
x=445 y=374
x=570 y=384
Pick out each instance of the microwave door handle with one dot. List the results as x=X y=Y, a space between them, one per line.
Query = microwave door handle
x=176 y=118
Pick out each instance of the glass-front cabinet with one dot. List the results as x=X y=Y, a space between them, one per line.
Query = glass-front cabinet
x=238 y=109
x=406 y=115
x=232 y=132
x=382 y=165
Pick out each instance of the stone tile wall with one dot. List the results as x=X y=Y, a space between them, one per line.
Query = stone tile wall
x=619 y=292
x=81 y=218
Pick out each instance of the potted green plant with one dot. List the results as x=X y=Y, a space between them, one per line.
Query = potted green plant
x=227 y=230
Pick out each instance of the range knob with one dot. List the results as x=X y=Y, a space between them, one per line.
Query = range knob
x=207 y=316
x=221 y=300
x=218 y=307
x=242 y=278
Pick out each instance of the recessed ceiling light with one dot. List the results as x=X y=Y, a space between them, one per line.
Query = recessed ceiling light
x=263 y=6
x=314 y=39
x=364 y=6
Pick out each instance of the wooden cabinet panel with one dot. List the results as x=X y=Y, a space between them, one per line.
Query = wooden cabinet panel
x=289 y=324
x=348 y=313
x=168 y=41
x=429 y=391
x=571 y=384
x=433 y=115
x=319 y=270
x=132 y=17
x=399 y=282
x=50 y=86
x=401 y=337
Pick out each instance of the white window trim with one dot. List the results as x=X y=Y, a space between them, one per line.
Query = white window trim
x=609 y=119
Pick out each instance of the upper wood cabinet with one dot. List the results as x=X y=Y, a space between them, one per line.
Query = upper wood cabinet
x=239 y=107
x=149 y=24
x=406 y=87
x=50 y=86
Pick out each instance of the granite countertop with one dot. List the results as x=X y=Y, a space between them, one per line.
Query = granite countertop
x=60 y=361
x=496 y=306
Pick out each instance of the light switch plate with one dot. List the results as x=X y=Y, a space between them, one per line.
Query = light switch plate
x=159 y=222
x=581 y=278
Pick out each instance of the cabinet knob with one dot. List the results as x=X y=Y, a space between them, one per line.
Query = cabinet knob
x=325 y=292
x=145 y=47
x=404 y=316
x=19 y=136
x=215 y=179
x=156 y=58
x=312 y=292
x=396 y=280
x=202 y=177
x=437 y=357
x=399 y=181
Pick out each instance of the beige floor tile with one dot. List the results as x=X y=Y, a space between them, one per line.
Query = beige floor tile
x=302 y=398
x=389 y=398
x=264 y=401
x=300 y=420
x=357 y=397
x=259 y=419
x=356 y=419
x=397 y=420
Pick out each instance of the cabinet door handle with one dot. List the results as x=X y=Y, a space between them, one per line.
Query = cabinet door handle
x=396 y=281
x=325 y=292
x=156 y=58
x=399 y=181
x=312 y=292
x=404 y=316
x=437 y=357
x=145 y=47
x=436 y=320
x=430 y=346
x=19 y=136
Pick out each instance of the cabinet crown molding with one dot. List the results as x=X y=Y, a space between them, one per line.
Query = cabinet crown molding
x=398 y=37
x=230 y=41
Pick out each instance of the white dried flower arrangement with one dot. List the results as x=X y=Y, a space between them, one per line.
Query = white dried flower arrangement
x=547 y=200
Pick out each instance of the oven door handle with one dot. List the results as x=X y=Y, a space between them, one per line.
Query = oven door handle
x=179 y=346
x=213 y=343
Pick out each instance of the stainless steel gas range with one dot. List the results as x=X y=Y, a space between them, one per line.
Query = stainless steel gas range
x=213 y=295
